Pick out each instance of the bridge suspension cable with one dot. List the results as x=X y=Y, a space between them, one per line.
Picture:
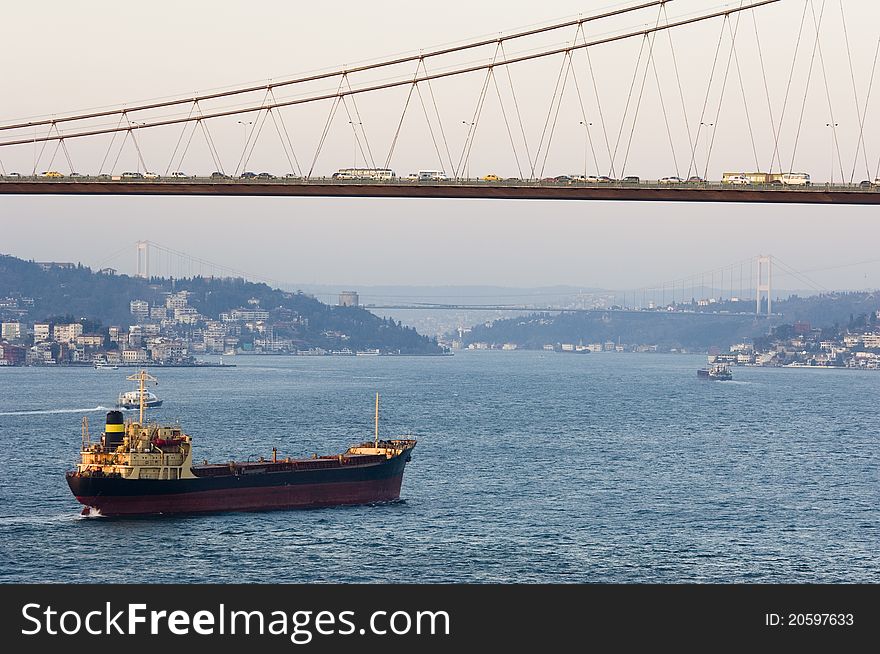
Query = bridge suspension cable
x=342 y=93
x=335 y=73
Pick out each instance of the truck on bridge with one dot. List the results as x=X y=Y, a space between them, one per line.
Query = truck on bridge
x=786 y=179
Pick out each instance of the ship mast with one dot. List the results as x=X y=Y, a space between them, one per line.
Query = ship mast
x=377 y=421
x=142 y=377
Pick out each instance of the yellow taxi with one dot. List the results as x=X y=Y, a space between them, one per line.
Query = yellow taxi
x=490 y=178
x=52 y=173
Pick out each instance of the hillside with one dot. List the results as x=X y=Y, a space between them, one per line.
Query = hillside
x=694 y=330
x=38 y=293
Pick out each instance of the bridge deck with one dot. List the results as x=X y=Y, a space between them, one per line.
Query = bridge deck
x=818 y=194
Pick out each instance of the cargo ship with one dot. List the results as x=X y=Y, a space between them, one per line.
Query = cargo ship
x=140 y=468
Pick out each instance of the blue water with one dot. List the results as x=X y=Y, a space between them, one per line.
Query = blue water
x=530 y=467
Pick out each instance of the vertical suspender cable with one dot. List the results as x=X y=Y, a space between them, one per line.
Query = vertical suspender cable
x=586 y=122
x=828 y=96
x=599 y=108
x=742 y=89
x=565 y=61
x=723 y=88
x=516 y=106
x=693 y=165
x=859 y=116
x=430 y=128
x=330 y=116
x=360 y=122
x=776 y=155
x=507 y=125
x=687 y=124
x=298 y=168
x=807 y=88
x=556 y=115
x=632 y=87
x=766 y=92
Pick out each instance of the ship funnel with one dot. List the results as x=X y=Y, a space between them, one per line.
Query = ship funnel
x=114 y=430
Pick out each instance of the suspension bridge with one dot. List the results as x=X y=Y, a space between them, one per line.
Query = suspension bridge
x=740 y=288
x=760 y=115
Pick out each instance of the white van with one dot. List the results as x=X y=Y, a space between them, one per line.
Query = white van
x=795 y=179
x=432 y=176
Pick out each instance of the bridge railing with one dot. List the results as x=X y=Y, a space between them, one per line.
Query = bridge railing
x=866 y=187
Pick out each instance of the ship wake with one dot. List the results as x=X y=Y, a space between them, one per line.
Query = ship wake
x=40 y=412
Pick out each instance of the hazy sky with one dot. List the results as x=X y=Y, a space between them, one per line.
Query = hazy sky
x=64 y=56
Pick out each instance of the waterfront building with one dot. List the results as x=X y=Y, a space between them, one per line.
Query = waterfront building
x=10 y=331
x=12 y=355
x=140 y=309
x=177 y=300
x=134 y=356
x=67 y=333
x=871 y=341
x=348 y=299
x=90 y=340
x=41 y=332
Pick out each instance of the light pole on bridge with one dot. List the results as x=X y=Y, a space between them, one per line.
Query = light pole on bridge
x=137 y=147
x=244 y=124
x=467 y=166
x=706 y=170
x=586 y=143
x=355 y=143
x=833 y=127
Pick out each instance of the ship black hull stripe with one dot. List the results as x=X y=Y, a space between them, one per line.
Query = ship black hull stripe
x=116 y=486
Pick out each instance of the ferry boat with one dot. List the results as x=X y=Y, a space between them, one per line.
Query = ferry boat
x=717 y=372
x=132 y=399
x=139 y=468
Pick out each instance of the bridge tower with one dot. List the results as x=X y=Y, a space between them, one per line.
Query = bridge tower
x=143 y=259
x=765 y=282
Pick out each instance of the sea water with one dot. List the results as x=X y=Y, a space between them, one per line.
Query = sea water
x=530 y=467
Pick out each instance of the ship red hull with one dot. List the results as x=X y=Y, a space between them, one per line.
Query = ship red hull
x=253 y=486
x=300 y=496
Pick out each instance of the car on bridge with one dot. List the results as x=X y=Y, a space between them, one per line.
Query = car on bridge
x=738 y=180
x=432 y=176
x=490 y=178
x=151 y=175
x=266 y=176
x=132 y=176
x=696 y=179
x=672 y=179
x=218 y=175
x=13 y=175
x=247 y=175
x=631 y=179
x=179 y=175
x=52 y=174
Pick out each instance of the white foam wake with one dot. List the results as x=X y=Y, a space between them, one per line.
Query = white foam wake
x=39 y=412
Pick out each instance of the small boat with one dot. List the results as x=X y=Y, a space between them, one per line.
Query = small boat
x=132 y=400
x=717 y=372
x=140 y=398
x=105 y=366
